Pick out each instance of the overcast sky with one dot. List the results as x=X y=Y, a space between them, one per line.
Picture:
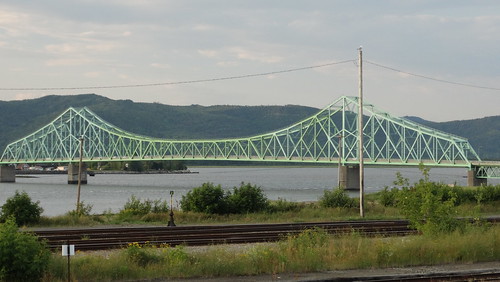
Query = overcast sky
x=87 y=43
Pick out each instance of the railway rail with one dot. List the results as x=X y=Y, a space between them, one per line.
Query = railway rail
x=468 y=275
x=86 y=239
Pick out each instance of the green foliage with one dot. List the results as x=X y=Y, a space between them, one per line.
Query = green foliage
x=145 y=255
x=134 y=206
x=152 y=119
x=212 y=199
x=166 y=165
x=141 y=255
x=22 y=209
x=247 y=199
x=22 y=256
x=310 y=251
x=337 y=198
x=388 y=197
x=208 y=198
x=306 y=250
x=83 y=210
x=282 y=205
x=488 y=193
x=428 y=207
x=135 y=166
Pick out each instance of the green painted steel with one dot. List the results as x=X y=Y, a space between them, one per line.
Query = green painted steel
x=322 y=138
x=487 y=169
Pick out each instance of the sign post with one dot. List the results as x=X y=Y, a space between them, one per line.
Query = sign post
x=68 y=251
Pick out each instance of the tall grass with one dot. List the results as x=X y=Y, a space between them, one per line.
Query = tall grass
x=311 y=250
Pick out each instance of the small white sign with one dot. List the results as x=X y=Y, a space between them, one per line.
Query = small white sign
x=65 y=250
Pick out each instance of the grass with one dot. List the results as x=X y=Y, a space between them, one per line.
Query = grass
x=310 y=251
x=306 y=212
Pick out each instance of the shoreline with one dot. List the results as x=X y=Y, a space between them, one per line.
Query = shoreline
x=94 y=172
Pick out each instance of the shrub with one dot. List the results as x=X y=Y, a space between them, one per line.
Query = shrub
x=22 y=209
x=429 y=206
x=83 y=209
x=141 y=255
x=488 y=193
x=247 y=199
x=22 y=256
x=208 y=198
x=282 y=205
x=135 y=206
x=388 y=197
x=337 y=198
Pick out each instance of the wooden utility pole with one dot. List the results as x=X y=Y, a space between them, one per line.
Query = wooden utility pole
x=360 y=130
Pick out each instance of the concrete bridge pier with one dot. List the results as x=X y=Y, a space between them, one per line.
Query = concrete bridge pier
x=7 y=174
x=349 y=177
x=73 y=173
x=472 y=180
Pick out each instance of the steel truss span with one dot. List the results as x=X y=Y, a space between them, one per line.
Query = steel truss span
x=330 y=136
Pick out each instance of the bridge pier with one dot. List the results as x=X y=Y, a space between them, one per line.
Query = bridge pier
x=349 y=177
x=73 y=173
x=472 y=180
x=7 y=174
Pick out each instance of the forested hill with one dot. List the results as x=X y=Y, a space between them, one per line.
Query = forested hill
x=483 y=134
x=20 y=118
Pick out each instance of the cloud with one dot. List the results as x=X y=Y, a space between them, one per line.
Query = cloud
x=26 y=96
x=95 y=42
x=160 y=66
x=252 y=55
x=68 y=62
x=208 y=53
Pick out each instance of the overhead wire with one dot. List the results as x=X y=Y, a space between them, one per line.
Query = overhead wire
x=175 y=82
x=433 y=78
x=245 y=76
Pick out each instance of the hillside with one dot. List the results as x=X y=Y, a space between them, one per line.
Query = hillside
x=483 y=134
x=150 y=119
x=200 y=122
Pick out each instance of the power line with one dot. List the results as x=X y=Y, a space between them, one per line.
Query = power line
x=175 y=82
x=433 y=78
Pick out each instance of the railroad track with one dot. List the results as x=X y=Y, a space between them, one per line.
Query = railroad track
x=466 y=276
x=117 y=237
x=86 y=239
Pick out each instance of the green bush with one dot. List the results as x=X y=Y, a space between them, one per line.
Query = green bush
x=282 y=205
x=388 y=198
x=208 y=198
x=247 y=199
x=488 y=193
x=337 y=198
x=141 y=255
x=83 y=210
x=22 y=209
x=429 y=206
x=22 y=256
x=135 y=206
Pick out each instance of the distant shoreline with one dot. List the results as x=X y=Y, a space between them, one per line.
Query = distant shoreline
x=93 y=172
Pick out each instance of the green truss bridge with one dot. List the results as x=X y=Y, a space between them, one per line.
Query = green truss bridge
x=330 y=136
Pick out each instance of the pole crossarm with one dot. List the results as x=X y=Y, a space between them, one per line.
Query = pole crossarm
x=321 y=138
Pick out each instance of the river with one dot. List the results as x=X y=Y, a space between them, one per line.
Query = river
x=109 y=192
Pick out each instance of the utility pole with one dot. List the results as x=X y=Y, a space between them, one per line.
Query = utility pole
x=340 y=161
x=79 y=177
x=360 y=130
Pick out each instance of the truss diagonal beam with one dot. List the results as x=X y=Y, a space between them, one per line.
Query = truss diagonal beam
x=322 y=138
